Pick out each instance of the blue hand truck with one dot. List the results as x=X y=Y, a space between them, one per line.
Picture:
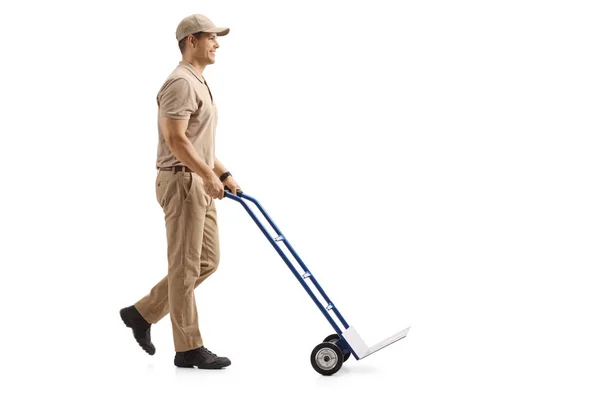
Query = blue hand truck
x=327 y=357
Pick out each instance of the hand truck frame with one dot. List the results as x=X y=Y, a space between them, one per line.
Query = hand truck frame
x=327 y=357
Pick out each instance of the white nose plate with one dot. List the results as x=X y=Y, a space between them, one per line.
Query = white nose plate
x=360 y=347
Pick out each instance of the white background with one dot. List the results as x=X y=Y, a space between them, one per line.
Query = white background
x=434 y=163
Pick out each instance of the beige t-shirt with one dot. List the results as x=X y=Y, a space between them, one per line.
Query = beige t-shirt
x=185 y=95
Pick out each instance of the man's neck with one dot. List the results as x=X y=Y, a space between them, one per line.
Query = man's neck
x=197 y=66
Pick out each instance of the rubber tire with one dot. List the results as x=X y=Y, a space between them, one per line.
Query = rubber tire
x=334 y=337
x=338 y=353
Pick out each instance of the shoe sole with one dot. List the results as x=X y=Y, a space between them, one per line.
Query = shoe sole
x=221 y=366
x=127 y=324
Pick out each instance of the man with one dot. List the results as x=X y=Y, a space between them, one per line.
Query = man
x=189 y=179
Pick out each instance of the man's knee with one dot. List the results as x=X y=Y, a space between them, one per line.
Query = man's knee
x=207 y=269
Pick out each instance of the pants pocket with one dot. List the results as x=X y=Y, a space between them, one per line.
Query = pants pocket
x=187 y=185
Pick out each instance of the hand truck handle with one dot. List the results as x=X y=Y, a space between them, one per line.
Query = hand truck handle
x=238 y=192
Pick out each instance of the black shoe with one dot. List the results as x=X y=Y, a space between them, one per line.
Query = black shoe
x=201 y=358
x=141 y=328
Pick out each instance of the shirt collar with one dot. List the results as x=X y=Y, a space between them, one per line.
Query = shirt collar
x=191 y=68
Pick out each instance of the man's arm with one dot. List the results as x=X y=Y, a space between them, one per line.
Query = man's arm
x=174 y=134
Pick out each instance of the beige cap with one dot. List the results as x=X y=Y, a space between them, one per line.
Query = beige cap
x=197 y=23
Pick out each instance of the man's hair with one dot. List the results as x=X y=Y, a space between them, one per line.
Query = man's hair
x=182 y=42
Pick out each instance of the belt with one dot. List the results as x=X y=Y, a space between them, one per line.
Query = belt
x=177 y=168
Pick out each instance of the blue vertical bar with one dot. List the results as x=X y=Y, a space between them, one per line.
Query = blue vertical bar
x=297 y=257
x=288 y=262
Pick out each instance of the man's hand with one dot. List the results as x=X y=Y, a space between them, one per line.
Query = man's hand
x=213 y=186
x=232 y=185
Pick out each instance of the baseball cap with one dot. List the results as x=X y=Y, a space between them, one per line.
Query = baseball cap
x=197 y=23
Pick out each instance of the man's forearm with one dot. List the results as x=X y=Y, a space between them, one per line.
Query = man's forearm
x=219 y=168
x=229 y=182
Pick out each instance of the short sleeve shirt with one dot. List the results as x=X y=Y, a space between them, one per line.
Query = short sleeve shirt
x=185 y=95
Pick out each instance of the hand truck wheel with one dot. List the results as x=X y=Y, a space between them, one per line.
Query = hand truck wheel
x=327 y=358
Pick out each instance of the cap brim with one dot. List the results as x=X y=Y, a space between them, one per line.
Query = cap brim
x=218 y=31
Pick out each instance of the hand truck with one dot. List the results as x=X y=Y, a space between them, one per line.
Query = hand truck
x=327 y=357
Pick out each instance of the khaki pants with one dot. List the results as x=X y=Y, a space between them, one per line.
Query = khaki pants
x=193 y=255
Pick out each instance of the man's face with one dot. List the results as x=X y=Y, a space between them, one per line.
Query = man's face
x=205 y=48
